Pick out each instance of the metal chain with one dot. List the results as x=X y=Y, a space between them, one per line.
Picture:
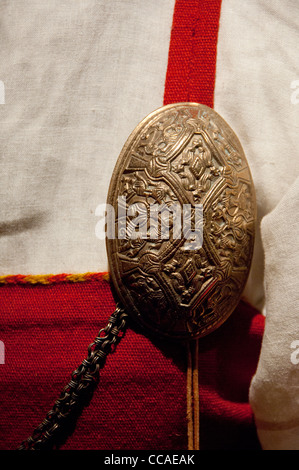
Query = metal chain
x=80 y=387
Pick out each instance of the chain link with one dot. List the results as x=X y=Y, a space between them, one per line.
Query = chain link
x=83 y=380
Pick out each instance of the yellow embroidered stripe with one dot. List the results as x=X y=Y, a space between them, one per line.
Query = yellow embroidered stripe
x=52 y=278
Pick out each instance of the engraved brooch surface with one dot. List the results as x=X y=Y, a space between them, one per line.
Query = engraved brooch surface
x=180 y=234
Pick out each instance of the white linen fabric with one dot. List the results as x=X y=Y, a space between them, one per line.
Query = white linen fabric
x=256 y=92
x=78 y=77
x=274 y=392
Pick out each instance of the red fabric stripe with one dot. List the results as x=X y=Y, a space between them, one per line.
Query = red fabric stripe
x=140 y=402
x=192 y=54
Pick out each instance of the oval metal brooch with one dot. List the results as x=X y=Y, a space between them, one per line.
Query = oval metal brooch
x=180 y=232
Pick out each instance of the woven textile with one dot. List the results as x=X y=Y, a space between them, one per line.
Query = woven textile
x=140 y=402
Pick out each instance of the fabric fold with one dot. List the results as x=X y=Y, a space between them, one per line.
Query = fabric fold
x=274 y=391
